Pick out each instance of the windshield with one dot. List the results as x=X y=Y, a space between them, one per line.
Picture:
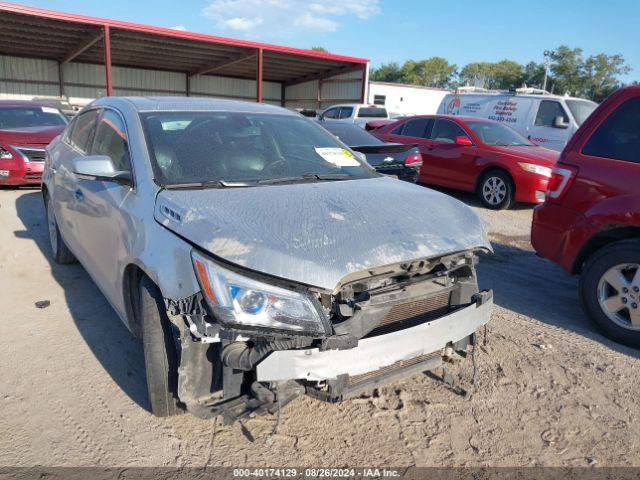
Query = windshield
x=497 y=134
x=22 y=117
x=372 y=112
x=252 y=148
x=352 y=135
x=581 y=109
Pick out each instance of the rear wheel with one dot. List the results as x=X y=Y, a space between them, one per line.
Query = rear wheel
x=161 y=355
x=610 y=291
x=496 y=190
x=61 y=253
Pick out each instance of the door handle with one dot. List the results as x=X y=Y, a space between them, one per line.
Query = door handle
x=78 y=195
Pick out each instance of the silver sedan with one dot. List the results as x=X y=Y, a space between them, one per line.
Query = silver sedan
x=256 y=255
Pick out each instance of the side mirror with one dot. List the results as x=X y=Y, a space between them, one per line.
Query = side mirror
x=463 y=141
x=100 y=167
x=320 y=117
x=559 y=122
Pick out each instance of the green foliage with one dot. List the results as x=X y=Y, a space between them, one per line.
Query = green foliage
x=319 y=49
x=569 y=72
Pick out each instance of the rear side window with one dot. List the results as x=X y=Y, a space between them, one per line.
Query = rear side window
x=618 y=137
x=111 y=140
x=418 y=128
x=446 y=131
x=372 y=112
x=346 y=112
x=82 y=130
x=547 y=113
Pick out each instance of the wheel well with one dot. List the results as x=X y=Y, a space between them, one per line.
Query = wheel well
x=494 y=169
x=132 y=276
x=600 y=240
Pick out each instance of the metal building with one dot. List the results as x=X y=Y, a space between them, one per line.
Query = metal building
x=46 y=53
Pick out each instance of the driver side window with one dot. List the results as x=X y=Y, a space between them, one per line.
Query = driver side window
x=332 y=113
x=547 y=113
x=446 y=131
x=82 y=131
x=111 y=140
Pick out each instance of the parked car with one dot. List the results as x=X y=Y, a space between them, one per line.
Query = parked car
x=26 y=128
x=258 y=258
x=590 y=223
x=476 y=155
x=545 y=119
x=399 y=159
x=359 y=114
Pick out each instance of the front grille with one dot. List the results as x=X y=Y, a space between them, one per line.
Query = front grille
x=33 y=177
x=32 y=154
x=413 y=313
x=355 y=380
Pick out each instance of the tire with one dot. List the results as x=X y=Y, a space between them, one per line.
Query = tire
x=496 y=190
x=611 y=308
x=161 y=356
x=59 y=249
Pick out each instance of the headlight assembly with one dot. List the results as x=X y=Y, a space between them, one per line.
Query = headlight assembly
x=239 y=301
x=538 y=169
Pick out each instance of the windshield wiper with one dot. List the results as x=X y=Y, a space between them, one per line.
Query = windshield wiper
x=194 y=185
x=305 y=177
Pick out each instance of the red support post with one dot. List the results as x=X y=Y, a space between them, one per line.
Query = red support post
x=259 y=76
x=107 y=60
x=364 y=84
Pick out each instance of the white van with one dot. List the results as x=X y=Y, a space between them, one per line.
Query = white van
x=545 y=119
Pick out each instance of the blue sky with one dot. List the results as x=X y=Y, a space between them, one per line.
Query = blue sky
x=462 y=31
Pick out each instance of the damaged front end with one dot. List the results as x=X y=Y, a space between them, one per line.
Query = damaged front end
x=252 y=344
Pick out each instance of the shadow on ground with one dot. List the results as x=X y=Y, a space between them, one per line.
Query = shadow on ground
x=521 y=281
x=110 y=341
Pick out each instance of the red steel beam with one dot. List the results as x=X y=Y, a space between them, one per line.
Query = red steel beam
x=168 y=32
x=259 y=73
x=107 y=61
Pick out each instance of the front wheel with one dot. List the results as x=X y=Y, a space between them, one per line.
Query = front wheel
x=610 y=291
x=496 y=190
x=161 y=355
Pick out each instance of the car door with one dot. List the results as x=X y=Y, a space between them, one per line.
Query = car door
x=104 y=209
x=450 y=164
x=75 y=142
x=545 y=131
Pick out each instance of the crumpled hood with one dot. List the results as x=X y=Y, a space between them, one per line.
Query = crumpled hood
x=30 y=136
x=317 y=233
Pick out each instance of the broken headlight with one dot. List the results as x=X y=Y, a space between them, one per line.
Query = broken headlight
x=240 y=301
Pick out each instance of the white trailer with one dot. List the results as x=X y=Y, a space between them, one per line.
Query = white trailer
x=403 y=100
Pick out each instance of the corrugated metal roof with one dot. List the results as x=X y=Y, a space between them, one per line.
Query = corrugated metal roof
x=47 y=34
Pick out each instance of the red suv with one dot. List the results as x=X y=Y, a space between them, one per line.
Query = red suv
x=476 y=155
x=590 y=221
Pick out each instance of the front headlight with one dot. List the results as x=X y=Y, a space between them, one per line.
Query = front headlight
x=5 y=154
x=240 y=301
x=533 y=168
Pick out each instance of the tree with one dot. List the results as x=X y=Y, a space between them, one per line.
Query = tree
x=505 y=74
x=566 y=68
x=431 y=72
x=319 y=49
x=387 y=72
x=600 y=75
x=533 y=75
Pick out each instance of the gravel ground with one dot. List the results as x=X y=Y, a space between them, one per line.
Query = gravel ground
x=551 y=390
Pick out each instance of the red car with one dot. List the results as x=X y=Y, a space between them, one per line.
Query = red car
x=476 y=155
x=590 y=222
x=26 y=128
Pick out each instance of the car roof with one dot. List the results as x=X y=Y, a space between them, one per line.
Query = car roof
x=22 y=103
x=462 y=118
x=153 y=104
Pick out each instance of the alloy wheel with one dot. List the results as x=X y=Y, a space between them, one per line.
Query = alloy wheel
x=619 y=295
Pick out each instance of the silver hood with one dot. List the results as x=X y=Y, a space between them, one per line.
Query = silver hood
x=318 y=233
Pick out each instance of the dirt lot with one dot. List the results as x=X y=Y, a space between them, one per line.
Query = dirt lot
x=551 y=390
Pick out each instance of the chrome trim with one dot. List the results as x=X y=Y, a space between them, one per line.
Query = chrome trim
x=25 y=157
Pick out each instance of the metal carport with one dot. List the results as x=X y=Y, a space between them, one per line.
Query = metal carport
x=84 y=48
